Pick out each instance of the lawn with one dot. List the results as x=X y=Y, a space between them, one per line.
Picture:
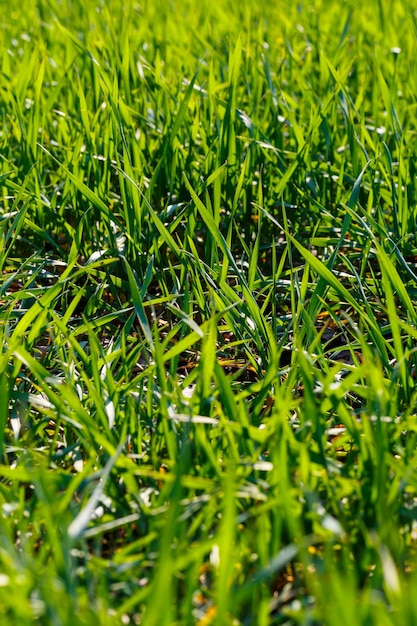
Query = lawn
x=208 y=399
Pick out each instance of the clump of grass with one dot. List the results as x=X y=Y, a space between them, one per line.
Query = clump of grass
x=207 y=377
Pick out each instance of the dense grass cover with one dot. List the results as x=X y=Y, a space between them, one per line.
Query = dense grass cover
x=208 y=367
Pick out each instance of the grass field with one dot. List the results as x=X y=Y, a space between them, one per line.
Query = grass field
x=208 y=399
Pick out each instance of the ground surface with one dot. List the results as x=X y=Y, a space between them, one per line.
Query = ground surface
x=208 y=257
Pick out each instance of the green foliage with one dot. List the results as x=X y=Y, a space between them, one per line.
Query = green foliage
x=208 y=366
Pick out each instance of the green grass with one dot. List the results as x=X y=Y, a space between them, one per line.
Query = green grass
x=208 y=400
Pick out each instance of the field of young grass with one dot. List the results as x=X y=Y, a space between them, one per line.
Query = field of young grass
x=208 y=400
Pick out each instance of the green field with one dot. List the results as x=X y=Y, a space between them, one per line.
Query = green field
x=208 y=376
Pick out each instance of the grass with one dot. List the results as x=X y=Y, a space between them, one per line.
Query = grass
x=208 y=367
